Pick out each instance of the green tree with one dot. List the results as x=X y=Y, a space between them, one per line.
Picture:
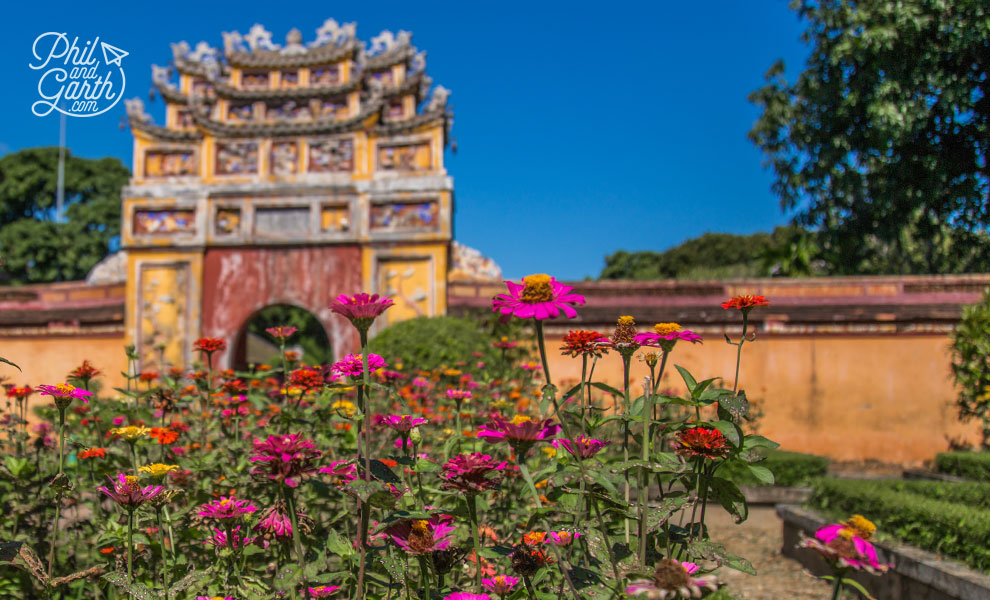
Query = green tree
x=33 y=245
x=709 y=256
x=970 y=357
x=881 y=144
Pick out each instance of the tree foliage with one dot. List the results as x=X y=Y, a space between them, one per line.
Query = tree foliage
x=785 y=251
x=311 y=338
x=970 y=357
x=881 y=144
x=34 y=247
x=432 y=342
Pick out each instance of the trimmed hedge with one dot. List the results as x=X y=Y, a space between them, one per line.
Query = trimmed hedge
x=975 y=493
x=971 y=465
x=426 y=343
x=788 y=468
x=949 y=528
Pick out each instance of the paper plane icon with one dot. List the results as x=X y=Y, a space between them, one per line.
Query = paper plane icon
x=113 y=51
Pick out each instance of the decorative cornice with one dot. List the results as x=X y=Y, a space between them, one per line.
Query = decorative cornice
x=225 y=90
x=369 y=110
x=275 y=59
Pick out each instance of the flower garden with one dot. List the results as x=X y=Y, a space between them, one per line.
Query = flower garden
x=369 y=478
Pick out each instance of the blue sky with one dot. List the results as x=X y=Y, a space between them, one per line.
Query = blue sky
x=581 y=128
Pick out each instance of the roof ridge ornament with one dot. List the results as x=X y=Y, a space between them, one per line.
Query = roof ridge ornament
x=161 y=76
x=233 y=41
x=334 y=33
x=259 y=38
x=293 y=43
x=386 y=41
x=438 y=99
x=135 y=110
x=418 y=62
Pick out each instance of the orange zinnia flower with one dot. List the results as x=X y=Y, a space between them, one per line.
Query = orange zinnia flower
x=745 y=303
x=164 y=435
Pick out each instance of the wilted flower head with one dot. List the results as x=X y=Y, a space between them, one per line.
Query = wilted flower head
x=64 y=393
x=220 y=539
x=226 y=508
x=845 y=545
x=527 y=559
x=352 y=364
x=472 y=473
x=582 y=447
x=673 y=579
x=285 y=458
x=361 y=309
x=537 y=297
x=127 y=492
x=276 y=525
x=422 y=536
x=702 y=441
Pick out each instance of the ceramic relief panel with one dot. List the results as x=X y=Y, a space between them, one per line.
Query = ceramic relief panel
x=237 y=158
x=170 y=163
x=335 y=218
x=164 y=222
x=405 y=157
x=330 y=156
x=227 y=221
x=404 y=216
x=285 y=158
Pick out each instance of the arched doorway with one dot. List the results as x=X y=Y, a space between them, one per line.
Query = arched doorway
x=255 y=346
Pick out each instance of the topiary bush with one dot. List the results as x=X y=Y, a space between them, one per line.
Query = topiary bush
x=971 y=465
x=430 y=342
x=788 y=468
x=956 y=530
x=970 y=357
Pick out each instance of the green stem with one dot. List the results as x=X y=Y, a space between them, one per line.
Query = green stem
x=130 y=545
x=625 y=434
x=473 y=514
x=51 y=551
x=296 y=534
x=529 y=587
x=61 y=439
x=161 y=534
x=134 y=457
x=643 y=487
x=739 y=345
x=837 y=587
x=362 y=428
x=608 y=545
x=529 y=480
x=543 y=351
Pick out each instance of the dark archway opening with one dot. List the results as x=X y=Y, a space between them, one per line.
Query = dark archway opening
x=256 y=346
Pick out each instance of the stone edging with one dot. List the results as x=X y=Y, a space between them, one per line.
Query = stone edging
x=933 y=475
x=916 y=574
x=773 y=494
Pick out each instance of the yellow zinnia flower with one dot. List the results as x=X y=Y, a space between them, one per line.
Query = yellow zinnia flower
x=158 y=470
x=131 y=432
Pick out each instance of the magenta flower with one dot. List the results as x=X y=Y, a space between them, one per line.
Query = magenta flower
x=286 y=458
x=352 y=365
x=422 y=536
x=561 y=538
x=361 y=309
x=846 y=545
x=219 y=538
x=402 y=424
x=582 y=447
x=226 y=508
x=274 y=524
x=673 y=579
x=282 y=331
x=466 y=596
x=500 y=584
x=342 y=471
x=665 y=335
x=537 y=297
x=322 y=591
x=521 y=434
x=472 y=473
x=128 y=493
x=64 y=393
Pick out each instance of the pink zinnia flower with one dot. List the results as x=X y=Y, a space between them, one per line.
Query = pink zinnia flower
x=282 y=331
x=275 y=524
x=352 y=365
x=665 y=335
x=500 y=584
x=422 y=536
x=472 y=473
x=467 y=596
x=458 y=395
x=673 y=579
x=537 y=297
x=64 y=393
x=342 y=471
x=525 y=433
x=402 y=424
x=582 y=447
x=561 y=538
x=361 y=309
x=845 y=544
x=322 y=591
x=226 y=508
x=287 y=458
x=219 y=538
x=128 y=493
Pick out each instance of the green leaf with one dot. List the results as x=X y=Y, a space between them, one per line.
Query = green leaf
x=763 y=474
x=338 y=545
x=4 y=360
x=728 y=495
x=134 y=590
x=381 y=471
x=607 y=388
x=426 y=466
x=736 y=406
x=730 y=430
x=758 y=441
x=858 y=586
x=689 y=380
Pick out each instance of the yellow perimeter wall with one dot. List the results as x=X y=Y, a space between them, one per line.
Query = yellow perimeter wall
x=887 y=398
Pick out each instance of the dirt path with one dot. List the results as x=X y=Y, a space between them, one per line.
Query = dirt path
x=759 y=540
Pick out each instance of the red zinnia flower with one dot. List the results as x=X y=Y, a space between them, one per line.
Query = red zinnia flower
x=84 y=372
x=745 y=303
x=582 y=343
x=164 y=435
x=93 y=453
x=702 y=441
x=148 y=376
x=209 y=345
x=307 y=378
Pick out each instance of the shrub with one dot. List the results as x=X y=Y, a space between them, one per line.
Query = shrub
x=971 y=465
x=970 y=356
x=956 y=530
x=430 y=342
x=788 y=468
